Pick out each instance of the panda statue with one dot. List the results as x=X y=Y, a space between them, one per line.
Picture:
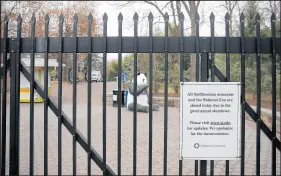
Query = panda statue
x=142 y=95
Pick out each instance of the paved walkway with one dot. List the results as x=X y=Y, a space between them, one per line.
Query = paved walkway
x=127 y=143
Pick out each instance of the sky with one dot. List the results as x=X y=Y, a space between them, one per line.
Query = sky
x=142 y=8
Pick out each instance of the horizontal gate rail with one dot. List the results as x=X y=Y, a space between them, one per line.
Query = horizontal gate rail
x=249 y=110
x=143 y=45
x=66 y=121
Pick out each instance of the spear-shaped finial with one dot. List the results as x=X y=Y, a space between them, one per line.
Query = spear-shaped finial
x=75 y=18
x=242 y=17
x=6 y=19
x=273 y=17
x=197 y=17
x=33 y=18
x=150 y=17
x=166 y=17
x=120 y=17
x=19 y=19
x=136 y=17
x=181 y=17
x=212 y=17
x=258 y=17
x=61 y=18
x=226 y=16
x=47 y=18
x=105 y=17
x=90 y=17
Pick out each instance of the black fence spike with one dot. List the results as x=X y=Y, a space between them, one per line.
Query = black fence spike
x=150 y=17
x=19 y=19
x=6 y=19
x=197 y=17
x=258 y=17
x=136 y=17
x=226 y=16
x=242 y=17
x=166 y=17
x=90 y=17
x=47 y=18
x=61 y=18
x=33 y=18
x=212 y=17
x=273 y=17
x=120 y=17
x=181 y=17
x=105 y=17
x=75 y=18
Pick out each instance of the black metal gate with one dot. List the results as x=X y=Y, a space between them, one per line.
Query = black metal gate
x=204 y=48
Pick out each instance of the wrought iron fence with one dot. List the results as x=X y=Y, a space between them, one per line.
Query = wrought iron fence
x=203 y=47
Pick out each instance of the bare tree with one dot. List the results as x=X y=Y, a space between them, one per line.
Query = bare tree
x=190 y=7
x=230 y=6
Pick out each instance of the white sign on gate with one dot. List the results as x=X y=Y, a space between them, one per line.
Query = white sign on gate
x=210 y=120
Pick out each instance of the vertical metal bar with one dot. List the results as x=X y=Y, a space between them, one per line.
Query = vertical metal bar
x=150 y=19
x=46 y=95
x=120 y=19
x=166 y=18
x=17 y=92
x=13 y=170
x=4 y=99
x=75 y=21
x=242 y=30
x=197 y=18
x=212 y=20
x=89 y=76
x=61 y=19
x=212 y=168
x=280 y=83
x=203 y=78
x=1 y=104
x=181 y=20
x=273 y=73
x=135 y=18
x=227 y=47
x=227 y=69
x=14 y=104
x=196 y=168
x=258 y=72
x=105 y=18
x=31 y=147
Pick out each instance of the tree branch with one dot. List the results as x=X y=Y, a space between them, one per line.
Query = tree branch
x=173 y=12
x=159 y=10
x=186 y=8
x=197 y=5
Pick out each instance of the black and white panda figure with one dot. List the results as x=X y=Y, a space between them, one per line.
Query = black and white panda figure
x=142 y=95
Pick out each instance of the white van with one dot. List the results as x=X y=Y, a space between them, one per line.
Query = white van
x=96 y=76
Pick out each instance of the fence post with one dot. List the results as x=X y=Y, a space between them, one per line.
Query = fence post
x=14 y=102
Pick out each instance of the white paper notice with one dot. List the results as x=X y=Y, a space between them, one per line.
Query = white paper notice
x=210 y=120
x=114 y=97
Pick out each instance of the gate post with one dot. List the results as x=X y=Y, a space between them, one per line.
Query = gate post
x=14 y=119
x=204 y=78
x=15 y=101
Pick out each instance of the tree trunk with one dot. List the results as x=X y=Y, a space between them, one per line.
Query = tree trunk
x=193 y=56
